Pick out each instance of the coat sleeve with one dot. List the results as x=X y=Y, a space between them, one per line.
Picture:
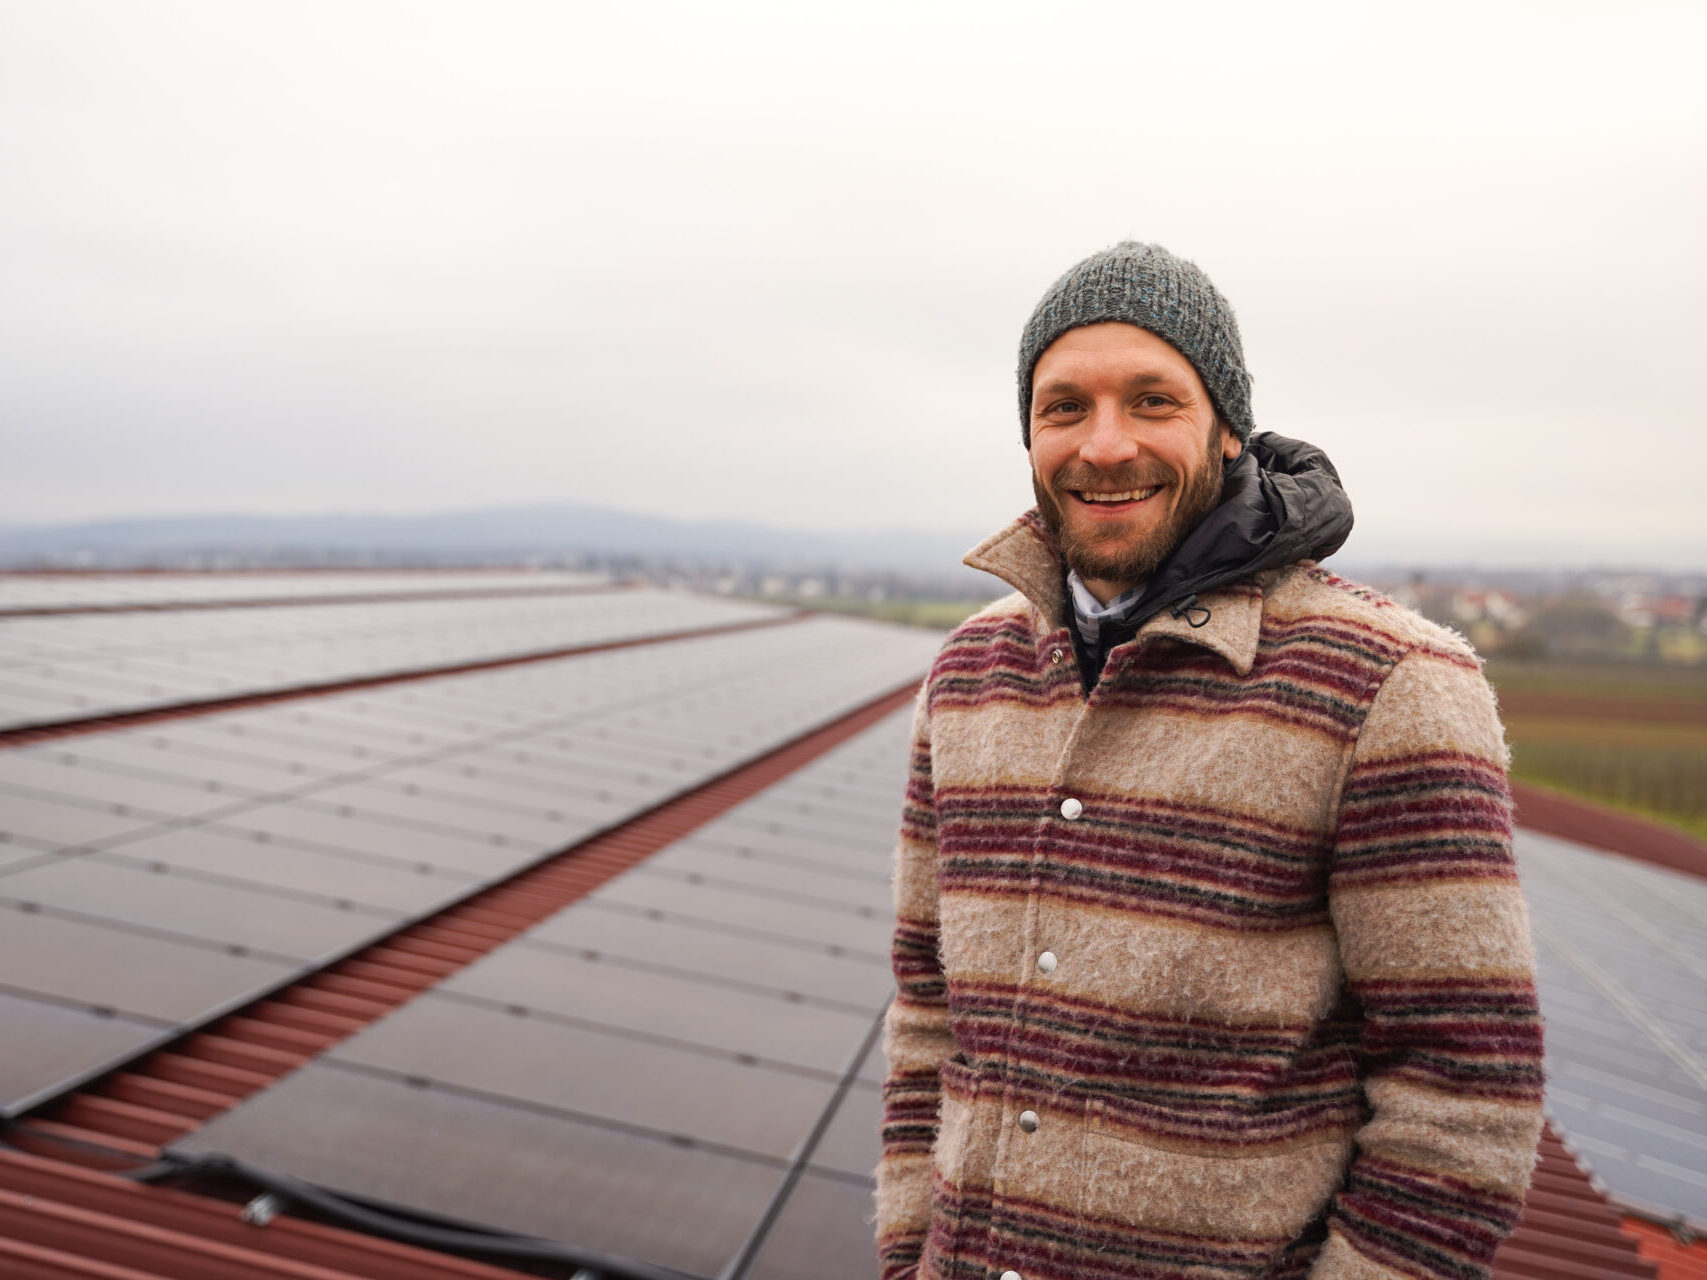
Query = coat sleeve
x=1434 y=938
x=917 y=1038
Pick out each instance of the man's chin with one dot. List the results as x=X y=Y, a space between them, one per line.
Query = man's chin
x=1113 y=560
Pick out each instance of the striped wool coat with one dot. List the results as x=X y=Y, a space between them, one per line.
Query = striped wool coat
x=1221 y=971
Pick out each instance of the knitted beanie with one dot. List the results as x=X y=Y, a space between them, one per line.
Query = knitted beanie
x=1145 y=285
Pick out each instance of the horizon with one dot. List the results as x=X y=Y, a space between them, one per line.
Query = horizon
x=1384 y=562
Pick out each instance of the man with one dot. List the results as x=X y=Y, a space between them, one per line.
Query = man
x=1210 y=951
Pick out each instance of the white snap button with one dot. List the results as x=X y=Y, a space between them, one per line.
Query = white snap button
x=1028 y=1121
x=1012 y=1275
x=1055 y=656
x=1046 y=962
x=1071 y=808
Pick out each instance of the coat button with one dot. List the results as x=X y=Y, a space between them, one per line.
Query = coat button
x=1055 y=656
x=1071 y=808
x=1046 y=962
x=1012 y=1275
x=1028 y=1121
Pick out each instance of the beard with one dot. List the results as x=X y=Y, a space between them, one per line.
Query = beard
x=1113 y=554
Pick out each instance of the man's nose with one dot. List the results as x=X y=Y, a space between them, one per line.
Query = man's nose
x=1111 y=440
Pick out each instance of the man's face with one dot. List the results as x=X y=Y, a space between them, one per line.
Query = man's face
x=1126 y=451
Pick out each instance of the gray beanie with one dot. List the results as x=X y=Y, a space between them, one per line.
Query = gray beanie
x=1145 y=285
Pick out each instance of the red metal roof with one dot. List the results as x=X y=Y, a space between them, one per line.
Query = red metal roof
x=1557 y=814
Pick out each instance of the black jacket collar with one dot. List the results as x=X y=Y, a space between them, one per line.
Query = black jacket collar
x=1281 y=502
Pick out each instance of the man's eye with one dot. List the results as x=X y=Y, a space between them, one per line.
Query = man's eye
x=1064 y=406
x=1153 y=402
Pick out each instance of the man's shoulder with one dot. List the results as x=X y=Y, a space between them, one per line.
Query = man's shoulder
x=1307 y=593
x=1009 y=619
x=999 y=616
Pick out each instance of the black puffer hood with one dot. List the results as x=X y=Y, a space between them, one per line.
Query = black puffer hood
x=1281 y=501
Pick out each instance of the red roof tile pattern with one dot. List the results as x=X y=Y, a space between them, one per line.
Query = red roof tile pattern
x=1568 y=1231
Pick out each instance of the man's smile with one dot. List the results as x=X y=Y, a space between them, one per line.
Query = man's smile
x=1127 y=498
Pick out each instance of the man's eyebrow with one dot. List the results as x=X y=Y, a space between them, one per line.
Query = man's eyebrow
x=1057 y=386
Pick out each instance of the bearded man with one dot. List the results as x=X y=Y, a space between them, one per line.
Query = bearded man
x=1210 y=954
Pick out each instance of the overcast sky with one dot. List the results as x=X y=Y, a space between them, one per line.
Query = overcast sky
x=771 y=260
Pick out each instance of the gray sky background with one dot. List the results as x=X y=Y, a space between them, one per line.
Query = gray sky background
x=770 y=260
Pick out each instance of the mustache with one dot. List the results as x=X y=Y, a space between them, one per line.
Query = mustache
x=1119 y=480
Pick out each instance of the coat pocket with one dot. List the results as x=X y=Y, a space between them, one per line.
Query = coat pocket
x=1227 y=1211
x=948 y=1166
x=954 y=1122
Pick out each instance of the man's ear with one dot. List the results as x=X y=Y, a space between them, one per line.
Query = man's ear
x=1231 y=447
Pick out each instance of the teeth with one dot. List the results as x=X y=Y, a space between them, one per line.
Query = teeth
x=1135 y=495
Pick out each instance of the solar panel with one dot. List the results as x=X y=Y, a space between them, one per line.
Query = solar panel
x=647 y=1083
x=50 y=775
x=765 y=1024
x=1622 y=949
x=489 y=1162
x=16 y=851
x=61 y=821
x=46 y=1042
x=704 y=862
x=766 y=916
x=811 y=969
x=822 y=1233
x=226 y=915
x=850 y=1143
x=145 y=974
x=394 y=884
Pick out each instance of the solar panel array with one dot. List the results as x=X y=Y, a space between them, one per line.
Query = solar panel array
x=75 y=666
x=23 y=591
x=1623 y=971
x=643 y=1072
x=153 y=877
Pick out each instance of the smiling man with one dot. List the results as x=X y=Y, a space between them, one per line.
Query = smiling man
x=1210 y=955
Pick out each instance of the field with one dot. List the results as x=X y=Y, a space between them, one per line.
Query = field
x=938 y=615
x=1634 y=737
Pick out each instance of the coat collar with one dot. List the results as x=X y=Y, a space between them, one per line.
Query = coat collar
x=1025 y=556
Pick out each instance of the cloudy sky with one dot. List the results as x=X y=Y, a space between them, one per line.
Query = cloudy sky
x=770 y=260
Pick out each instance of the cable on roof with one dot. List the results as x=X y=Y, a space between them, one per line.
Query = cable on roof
x=280 y=1191
x=348 y=1212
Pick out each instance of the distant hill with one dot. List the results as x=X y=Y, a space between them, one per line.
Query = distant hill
x=558 y=530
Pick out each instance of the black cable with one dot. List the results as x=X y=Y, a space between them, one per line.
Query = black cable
x=591 y=1264
x=339 y=1209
